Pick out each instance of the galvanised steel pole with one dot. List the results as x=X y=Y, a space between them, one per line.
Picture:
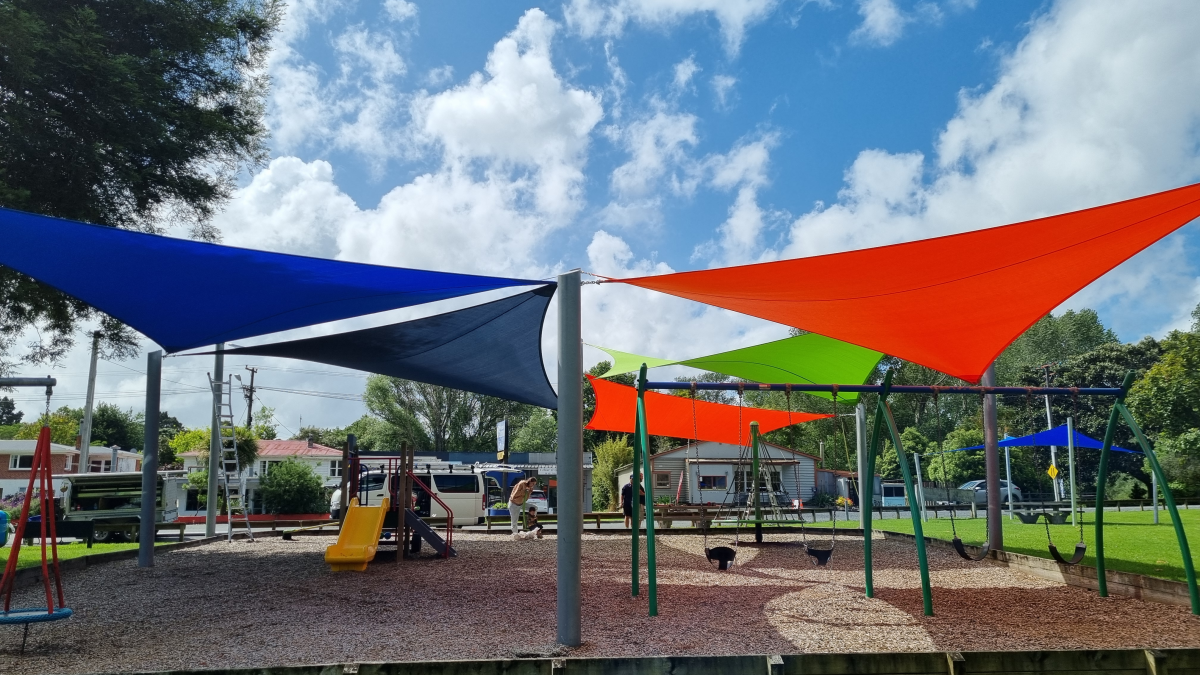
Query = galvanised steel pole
x=570 y=459
x=150 y=460
x=860 y=439
x=85 y=429
x=991 y=456
x=214 y=446
x=752 y=492
x=648 y=482
x=1071 y=465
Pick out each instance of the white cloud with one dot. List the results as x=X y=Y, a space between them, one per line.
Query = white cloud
x=723 y=88
x=659 y=161
x=591 y=18
x=744 y=169
x=521 y=114
x=1095 y=105
x=400 y=10
x=440 y=76
x=360 y=47
x=883 y=22
x=685 y=70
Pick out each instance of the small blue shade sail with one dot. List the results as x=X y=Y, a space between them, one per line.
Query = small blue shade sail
x=1056 y=436
x=185 y=294
x=493 y=349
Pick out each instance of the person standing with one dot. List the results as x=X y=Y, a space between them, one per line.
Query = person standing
x=627 y=498
x=516 y=501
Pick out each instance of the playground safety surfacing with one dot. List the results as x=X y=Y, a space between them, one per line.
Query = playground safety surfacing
x=274 y=604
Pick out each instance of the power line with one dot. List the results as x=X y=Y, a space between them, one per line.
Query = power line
x=341 y=396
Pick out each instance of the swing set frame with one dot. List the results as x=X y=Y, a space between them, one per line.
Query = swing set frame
x=885 y=423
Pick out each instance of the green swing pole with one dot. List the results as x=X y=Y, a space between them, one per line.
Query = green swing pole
x=633 y=495
x=1101 y=480
x=866 y=486
x=922 y=558
x=1184 y=549
x=647 y=480
x=752 y=493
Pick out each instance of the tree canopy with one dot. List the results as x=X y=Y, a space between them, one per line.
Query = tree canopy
x=127 y=113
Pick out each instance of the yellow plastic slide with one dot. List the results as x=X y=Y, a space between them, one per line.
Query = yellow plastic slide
x=359 y=537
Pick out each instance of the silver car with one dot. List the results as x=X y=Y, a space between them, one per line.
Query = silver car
x=979 y=490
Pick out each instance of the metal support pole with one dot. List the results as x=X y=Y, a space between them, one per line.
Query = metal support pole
x=992 y=463
x=1054 y=482
x=752 y=491
x=1071 y=467
x=860 y=439
x=648 y=486
x=85 y=428
x=570 y=460
x=920 y=496
x=150 y=460
x=918 y=532
x=214 y=446
x=1153 y=495
x=344 y=495
x=867 y=487
x=1008 y=479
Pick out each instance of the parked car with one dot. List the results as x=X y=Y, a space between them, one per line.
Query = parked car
x=979 y=489
x=538 y=498
x=465 y=493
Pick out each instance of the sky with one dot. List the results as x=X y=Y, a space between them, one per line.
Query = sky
x=631 y=137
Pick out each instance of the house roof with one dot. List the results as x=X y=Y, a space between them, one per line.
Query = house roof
x=286 y=449
x=23 y=447
x=728 y=460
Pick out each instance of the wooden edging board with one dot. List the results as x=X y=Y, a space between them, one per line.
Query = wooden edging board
x=1113 y=661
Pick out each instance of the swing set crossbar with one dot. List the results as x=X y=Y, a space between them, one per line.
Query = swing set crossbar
x=895 y=389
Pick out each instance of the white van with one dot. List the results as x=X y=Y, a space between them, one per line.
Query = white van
x=465 y=493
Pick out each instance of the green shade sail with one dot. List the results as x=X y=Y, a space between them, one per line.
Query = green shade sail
x=809 y=358
x=626 y=362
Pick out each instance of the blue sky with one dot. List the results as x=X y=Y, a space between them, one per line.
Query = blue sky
x=633 y=137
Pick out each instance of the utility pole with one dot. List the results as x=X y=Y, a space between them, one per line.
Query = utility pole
x=85 y=429
x=1050 y=425
x=250 y=399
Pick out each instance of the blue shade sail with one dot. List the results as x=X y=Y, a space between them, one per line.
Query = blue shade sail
x=185 y=294
x=493 y=349
x=1056 y=436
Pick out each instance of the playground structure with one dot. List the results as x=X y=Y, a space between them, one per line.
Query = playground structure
x=885 y=424
x=40 y=483
x=398 y=512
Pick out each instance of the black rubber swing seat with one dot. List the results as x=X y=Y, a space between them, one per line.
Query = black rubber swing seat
x=962 y=551
x=1080 y=551
x=721 y=555
x=819 y=555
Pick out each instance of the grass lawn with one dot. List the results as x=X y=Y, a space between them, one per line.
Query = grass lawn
x=1132 y=542
x=31 y=556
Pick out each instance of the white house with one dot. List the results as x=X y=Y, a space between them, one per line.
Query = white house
x=325 y=461
x=706 y=472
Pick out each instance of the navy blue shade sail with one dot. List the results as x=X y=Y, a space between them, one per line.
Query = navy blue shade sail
x=493 y=349
x=185 y=294
x=1056 y=436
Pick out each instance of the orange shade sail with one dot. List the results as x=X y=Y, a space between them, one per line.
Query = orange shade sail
x=950 y=303
x=616 y=407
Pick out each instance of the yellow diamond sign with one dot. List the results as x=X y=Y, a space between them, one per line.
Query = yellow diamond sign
x=1053 y=471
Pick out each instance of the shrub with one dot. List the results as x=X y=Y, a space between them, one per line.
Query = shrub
x=292 y=487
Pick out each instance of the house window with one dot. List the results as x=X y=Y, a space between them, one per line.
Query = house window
x=713 y=482
x=335 y=468
x=662 y=481
x=264 y=467
x=20 y=462
x=70 y=461
x=99 y=465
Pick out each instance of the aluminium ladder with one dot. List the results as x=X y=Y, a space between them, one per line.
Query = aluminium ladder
x=229 y=466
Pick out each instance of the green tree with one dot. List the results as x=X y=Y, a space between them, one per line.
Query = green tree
x=9 y=414
x=1167 y=399
x=113 y=426
x=539 y=434
x=264 y=424
x=198 y=440
x=293 y=487
x=609 y=456
x=127 y=113
x=1052 y=340
x=63 y=429
x=1180 y=459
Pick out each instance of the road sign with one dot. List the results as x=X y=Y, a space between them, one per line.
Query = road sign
x=1053 y=471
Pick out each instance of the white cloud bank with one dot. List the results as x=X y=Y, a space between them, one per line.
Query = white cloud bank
x=608 y=18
